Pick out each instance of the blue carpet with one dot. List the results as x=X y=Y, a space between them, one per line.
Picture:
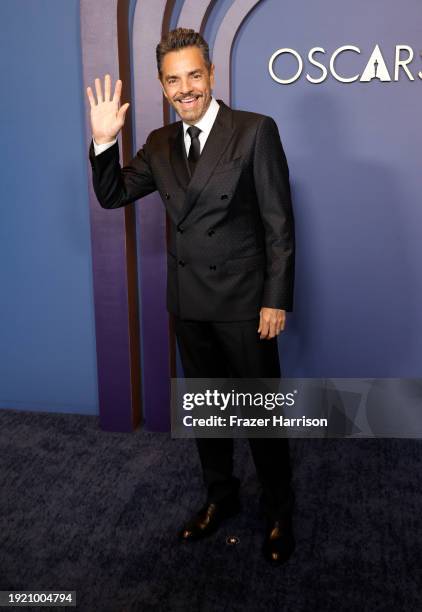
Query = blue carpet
x=97 y=512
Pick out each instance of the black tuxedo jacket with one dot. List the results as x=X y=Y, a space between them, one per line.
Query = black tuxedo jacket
x=231 y=242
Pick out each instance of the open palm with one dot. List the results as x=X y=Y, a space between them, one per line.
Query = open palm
x=107 y=117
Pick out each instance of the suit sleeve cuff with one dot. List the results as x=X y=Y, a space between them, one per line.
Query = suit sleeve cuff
x=100 y=148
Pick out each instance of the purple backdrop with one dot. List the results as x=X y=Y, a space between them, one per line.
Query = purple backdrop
x=354 y=154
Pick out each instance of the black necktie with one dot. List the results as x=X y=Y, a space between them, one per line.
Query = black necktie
x=195 y=147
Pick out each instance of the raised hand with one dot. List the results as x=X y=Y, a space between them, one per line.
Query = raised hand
x=107 y=117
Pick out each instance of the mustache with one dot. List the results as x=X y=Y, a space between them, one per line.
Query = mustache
x=186 y=97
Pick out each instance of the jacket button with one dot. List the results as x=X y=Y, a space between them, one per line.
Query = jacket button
x=224 y=196
x=180 y=230
x=211 y=232
x=167 y=196
x=213 y=267
x=182 y=263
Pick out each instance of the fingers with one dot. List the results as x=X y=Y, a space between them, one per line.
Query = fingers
x=122 y=112
x=90 y=97
x=278 y=325
x=99 y=91
x=273 y=328
x=264 y=332
x=264 y=327
x=107 y=91
x=271 y=323
x=107 y=88
x=117 y=91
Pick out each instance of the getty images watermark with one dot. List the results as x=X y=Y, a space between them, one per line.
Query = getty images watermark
x=301 y=408
x=235 y=399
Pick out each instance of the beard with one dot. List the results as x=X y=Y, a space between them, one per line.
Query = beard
x=191 y=107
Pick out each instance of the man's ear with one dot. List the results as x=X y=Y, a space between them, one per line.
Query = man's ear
x=212 y=72
x=162 y=86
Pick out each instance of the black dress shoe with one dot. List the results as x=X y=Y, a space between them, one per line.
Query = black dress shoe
x=208 y=519
x=279 y=542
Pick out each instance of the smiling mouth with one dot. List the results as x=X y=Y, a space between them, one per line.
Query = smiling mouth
x=189 y=101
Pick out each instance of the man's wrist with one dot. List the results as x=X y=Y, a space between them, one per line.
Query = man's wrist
x=101 y=147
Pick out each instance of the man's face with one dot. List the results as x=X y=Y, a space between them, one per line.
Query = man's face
x=187 y=83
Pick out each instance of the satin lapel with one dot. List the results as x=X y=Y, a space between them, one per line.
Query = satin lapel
x=178 y=157
x=217 y=141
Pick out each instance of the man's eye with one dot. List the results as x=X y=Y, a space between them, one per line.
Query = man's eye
x=171 y=81
x=196 y=76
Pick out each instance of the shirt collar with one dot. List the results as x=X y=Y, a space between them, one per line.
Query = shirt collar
x=206 y=122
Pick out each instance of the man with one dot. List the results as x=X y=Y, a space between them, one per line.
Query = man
x=223 y=177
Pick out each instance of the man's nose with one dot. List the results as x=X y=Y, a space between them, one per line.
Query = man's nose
x=185 y=87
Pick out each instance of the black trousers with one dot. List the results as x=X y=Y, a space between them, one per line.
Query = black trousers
x=233 y=349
